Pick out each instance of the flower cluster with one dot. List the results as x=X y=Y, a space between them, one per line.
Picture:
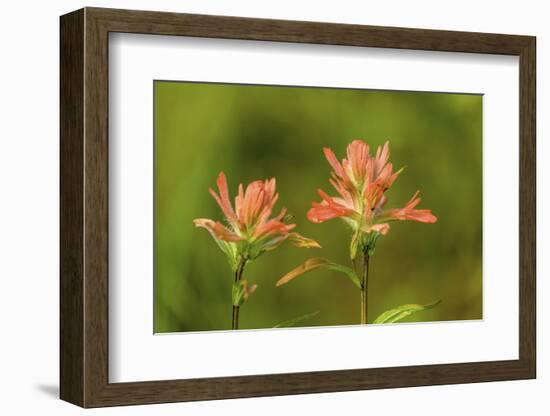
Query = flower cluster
x=250 y=229
x=361 y=181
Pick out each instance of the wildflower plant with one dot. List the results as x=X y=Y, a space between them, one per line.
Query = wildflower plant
x=361 y=182
x=249 y=231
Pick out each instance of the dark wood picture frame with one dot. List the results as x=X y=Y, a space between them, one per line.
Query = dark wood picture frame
x=84 y=207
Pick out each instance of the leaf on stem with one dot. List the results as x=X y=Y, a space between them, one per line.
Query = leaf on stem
x=315 y=263
x=241 y=292
x=300 y=241
x=396 y=314
x=292 y=322
x=354 y=244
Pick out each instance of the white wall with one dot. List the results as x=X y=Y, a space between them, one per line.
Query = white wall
x=29 y=206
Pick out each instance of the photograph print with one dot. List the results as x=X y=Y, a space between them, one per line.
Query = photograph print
x=290 y=206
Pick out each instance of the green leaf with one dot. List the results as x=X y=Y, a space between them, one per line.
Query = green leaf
x=396 y=314
x=238 y=293
x=241 y=292
x=354 y=244
x=315 y=263
x=291 y=322
x=369 y=243
x=230 y=250
x=349 y=272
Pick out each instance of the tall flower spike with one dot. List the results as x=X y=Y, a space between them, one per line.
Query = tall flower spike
x=361 y=181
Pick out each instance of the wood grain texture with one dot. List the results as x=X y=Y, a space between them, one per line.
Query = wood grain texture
x=71 y=100
x=84 y=207
x=96 y=209
x=527 y=208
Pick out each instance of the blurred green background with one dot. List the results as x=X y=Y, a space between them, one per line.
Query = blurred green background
x=257 y=132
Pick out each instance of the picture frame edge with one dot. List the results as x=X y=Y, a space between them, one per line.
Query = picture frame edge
x=84 y=209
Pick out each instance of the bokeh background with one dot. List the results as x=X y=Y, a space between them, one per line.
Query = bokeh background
x=257 y=132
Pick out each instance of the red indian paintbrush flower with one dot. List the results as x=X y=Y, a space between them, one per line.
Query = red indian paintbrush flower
x=250 y=231
x=361 y=181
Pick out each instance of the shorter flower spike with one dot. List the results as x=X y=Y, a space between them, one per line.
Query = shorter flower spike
x=251 y=229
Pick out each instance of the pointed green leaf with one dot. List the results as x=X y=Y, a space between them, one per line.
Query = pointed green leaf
x=315 y=263
x=230 y=251
x=396 y=314
x=355 y=239
x=241 y=292
x=348 y=271
x=238 y=293
x=292 y=322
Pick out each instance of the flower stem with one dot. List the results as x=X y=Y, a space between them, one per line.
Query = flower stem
x=364 y=287
x=238 y=275
x=235 y=324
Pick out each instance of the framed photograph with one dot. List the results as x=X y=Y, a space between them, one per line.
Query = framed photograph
x=254 y=207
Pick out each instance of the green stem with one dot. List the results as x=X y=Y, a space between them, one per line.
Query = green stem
x=235 y=323
x=238 y=275
x=364 y=287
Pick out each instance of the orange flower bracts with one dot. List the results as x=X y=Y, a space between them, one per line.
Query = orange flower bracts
x=361 y=181
x=250 y=228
